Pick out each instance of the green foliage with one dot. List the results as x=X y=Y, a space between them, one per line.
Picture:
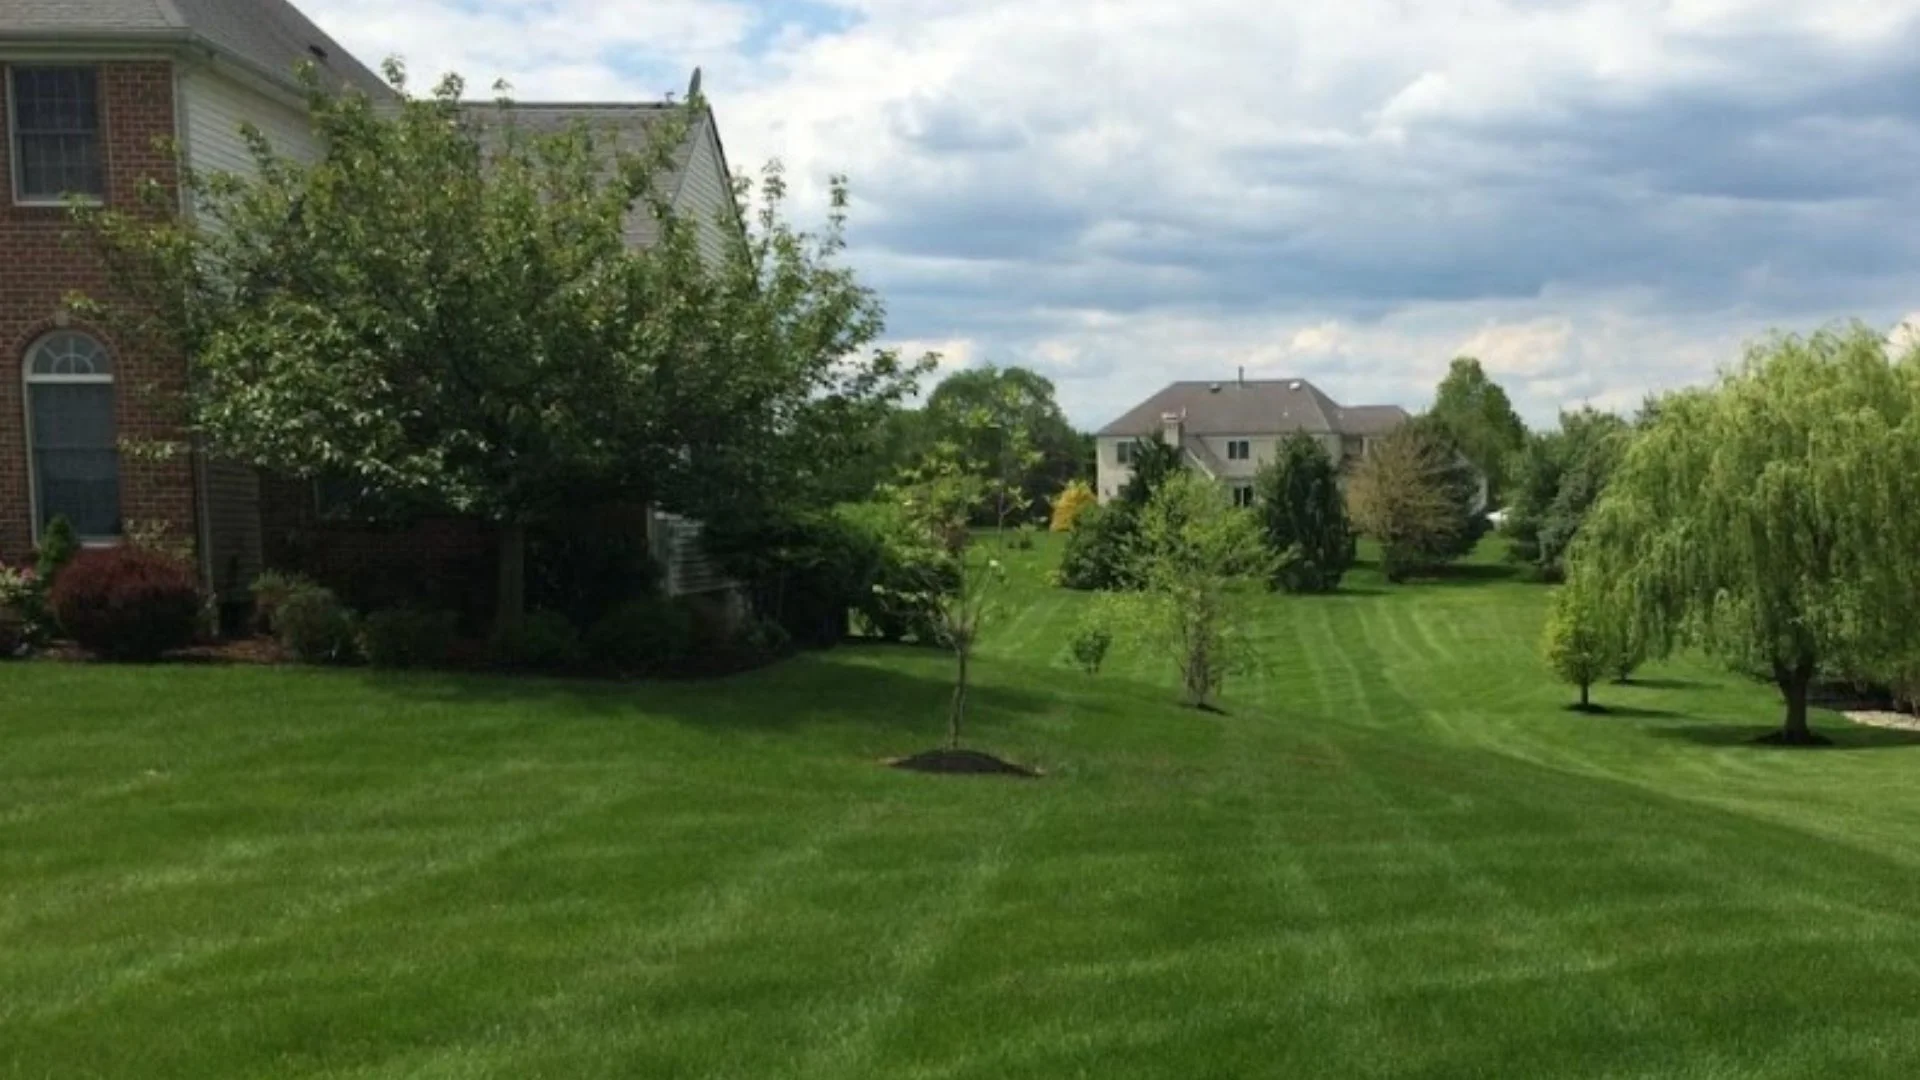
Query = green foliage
x=408 y=637
x=1769 y=520
x=804 y=569
x=1476 y=413
x=1154 y=463
x=442 y=309
x=584 y=565
x=314 y=627
x=1008 y=431
x=1557 y=477
x=546 y=641
x=270 y=589
x=1097 y=552
x=1091 y=638
x=23 y=607
x=1415 y=495
x=1304 y=515
x=892 y=600
x=944 y=574
x=1574 y=642
x=766 y=638
x=649 y=636
x=127 y=603
x=58 y=546
x=1022 y=538
x=1192 y=551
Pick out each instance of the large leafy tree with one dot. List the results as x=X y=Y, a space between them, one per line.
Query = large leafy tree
x=1304 y=515
x=1010 y=431
x=1415 y=495
x=1558 y=476
x=441 y=310
x=1771 y=520
x=1475 y=411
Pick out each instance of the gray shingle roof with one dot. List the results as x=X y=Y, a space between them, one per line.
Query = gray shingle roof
x=616 y=127
x=1254 y=407
x=270 y=35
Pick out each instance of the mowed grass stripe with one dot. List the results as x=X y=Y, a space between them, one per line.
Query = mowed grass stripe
x=1396 y=855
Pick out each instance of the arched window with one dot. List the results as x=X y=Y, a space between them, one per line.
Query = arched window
x=73 y=451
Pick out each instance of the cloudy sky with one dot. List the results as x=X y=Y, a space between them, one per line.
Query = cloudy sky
x=1595 y=198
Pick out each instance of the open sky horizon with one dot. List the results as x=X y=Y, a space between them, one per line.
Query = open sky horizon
x=1597 y=199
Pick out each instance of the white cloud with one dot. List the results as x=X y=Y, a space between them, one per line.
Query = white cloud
x=1597 y=197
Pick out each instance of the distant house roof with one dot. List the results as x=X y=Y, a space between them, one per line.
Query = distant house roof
x=1254 y=407
x=271 y=36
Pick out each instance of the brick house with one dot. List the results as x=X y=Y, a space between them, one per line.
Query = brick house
x=93 y=89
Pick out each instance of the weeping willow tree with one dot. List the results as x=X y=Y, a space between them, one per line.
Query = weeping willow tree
x=1773 y=520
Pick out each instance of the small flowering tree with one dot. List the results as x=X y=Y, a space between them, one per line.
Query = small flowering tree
x=959 y=582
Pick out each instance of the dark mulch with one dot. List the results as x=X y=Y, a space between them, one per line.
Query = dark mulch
x=970 y=762
x=1780 y=738
x=253 y=650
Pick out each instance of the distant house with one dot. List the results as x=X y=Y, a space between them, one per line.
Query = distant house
x=92 y=88
x=1227 y=430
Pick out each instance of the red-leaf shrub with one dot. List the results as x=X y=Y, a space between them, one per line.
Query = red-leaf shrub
x=127 y=603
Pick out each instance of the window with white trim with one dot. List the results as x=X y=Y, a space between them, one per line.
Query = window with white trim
x=1243 y=495
x=1123 y=453
x=73 y=451
x=55 y=114
x=1239 y=450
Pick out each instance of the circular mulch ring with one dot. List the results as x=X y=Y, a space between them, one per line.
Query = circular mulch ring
x=962 y=762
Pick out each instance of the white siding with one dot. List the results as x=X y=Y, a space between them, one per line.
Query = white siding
x=1111 y=476
x=706 y=192
x=213 y=107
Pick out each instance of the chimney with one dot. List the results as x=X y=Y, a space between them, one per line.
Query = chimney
x=1171 y=428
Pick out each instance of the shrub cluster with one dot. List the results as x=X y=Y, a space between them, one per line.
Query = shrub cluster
x=127 y=603
x=408 y=637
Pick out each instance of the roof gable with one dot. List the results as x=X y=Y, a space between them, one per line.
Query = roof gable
x=271 y=36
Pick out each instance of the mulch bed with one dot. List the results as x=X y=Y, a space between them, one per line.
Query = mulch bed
x=962 y=762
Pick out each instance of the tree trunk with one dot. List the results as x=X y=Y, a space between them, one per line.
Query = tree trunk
x=959 y=703
x=1585 y=703
x=1795 y=681
x=510 y=601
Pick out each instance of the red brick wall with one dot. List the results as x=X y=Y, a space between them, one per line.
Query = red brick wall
x=38 y=267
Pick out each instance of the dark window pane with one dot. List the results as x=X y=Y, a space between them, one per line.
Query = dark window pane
x=57 y=132
x=75 y=460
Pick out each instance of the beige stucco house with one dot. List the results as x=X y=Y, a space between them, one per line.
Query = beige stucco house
x=1229 y=429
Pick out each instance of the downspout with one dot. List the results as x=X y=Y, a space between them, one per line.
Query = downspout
x=196 y=452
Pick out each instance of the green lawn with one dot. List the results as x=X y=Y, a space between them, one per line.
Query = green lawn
x=1397 y=856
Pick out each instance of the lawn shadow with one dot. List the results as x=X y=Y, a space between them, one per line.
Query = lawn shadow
x=831 y=686
x=1458 y=574
x=1839 y=737
x=1662 y=684
x=1602 y=710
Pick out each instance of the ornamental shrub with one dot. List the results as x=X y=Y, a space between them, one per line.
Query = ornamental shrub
x=127 y=603
x=1073 y=500
x=544 y=640
x=640 y=637
x=315 y=627
x=408 y=637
